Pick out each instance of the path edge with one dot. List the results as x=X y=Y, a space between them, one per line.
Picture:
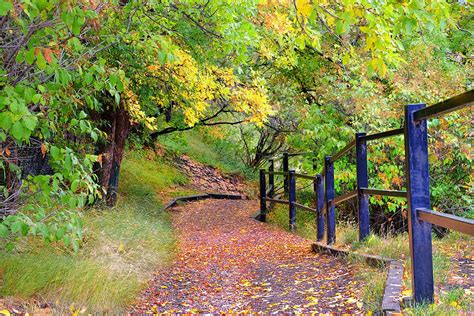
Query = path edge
x=198 y=197
x=393 y=282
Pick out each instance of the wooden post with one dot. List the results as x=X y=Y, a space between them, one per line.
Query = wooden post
x=362 y=182
x=319 y=190
x=271 y=179
x=292 y=199
x=263 y=202
x=285 y=169
x=330 y=194
x=418 y=195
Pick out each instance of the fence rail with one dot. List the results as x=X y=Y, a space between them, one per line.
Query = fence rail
x=449 y=221
x=420 y=218
x=394 y=193
x=305 y=176
x=345 y=197
x=393 y=132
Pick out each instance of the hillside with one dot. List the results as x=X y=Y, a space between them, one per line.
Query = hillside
x=124 y=245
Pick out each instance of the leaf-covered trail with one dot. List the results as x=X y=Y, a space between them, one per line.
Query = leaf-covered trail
x=229 y=262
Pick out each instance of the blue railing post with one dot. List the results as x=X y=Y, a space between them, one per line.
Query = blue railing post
x=285 y=169
x=319 y=190
x=330 y=194
x=362 y=182
x=418 y=195
x=263 y=193
x=271 y=179
x=292 y=199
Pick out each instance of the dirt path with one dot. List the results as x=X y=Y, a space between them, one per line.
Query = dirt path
x=228 y=262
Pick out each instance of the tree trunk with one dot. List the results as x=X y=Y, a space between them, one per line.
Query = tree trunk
x=118 y=130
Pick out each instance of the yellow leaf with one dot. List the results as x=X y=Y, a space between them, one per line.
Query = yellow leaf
x=5 y=312
x=304 y=7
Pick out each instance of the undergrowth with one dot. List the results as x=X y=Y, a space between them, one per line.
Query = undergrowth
x=122 y=247
x=448 y=301
x=208 y=150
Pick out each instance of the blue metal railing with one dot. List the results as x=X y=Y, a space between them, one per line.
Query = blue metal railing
x=420 y=218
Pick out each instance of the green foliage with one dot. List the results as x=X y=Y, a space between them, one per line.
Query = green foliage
x=122 y=247
x=207 y=148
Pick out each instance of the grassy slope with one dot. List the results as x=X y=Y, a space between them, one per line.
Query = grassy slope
x=207 y=149
x=123 y=246
x=397 y=247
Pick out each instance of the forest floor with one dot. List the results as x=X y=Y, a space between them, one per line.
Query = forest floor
x=228 y=262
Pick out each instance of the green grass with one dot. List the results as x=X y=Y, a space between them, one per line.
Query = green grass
x=206 y=149
x=123 y=247
x=390 y=246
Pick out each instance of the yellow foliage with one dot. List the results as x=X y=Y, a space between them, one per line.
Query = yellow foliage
x=195 y=89
x=133 y=107
x=304 y=7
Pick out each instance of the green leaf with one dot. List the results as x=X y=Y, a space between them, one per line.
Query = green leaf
x=16 y=227
x=75 y=185
x=340 y=27
x=55 y=152
x=5 y=6
x=17 y=131
x=30 y=122
x=30 y=56
x=75 y=245
x=3 y=231
x=77 y=25
x=36 y=98
x=40 y=61
x=5 y=120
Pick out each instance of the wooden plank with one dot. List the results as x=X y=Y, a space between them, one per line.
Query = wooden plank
x=449 y=221
x=277 y=201
x=343 y=151
x=455 y=103
x=393 y=288
x=385 y=134
x=394 y=193
x=345 y=197
x=304 y=207
x=305 y=176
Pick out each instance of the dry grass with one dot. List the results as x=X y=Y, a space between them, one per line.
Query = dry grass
x=123 y=247
x=395 y=247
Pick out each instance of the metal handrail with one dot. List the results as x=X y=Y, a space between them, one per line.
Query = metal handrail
x=343 y=151
x=345 y=197
x=449 y=221
x=278 y=173
x=277 y=201
x=446 y=106
x=304 y=207
x=305 y=176
x=393 y=132
x=394 y=193
x=300 y=153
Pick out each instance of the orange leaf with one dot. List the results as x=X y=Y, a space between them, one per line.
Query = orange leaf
x=43 y=149
x=99 y=159
x=47 y=55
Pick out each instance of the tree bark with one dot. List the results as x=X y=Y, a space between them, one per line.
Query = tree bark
x=117 y=132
